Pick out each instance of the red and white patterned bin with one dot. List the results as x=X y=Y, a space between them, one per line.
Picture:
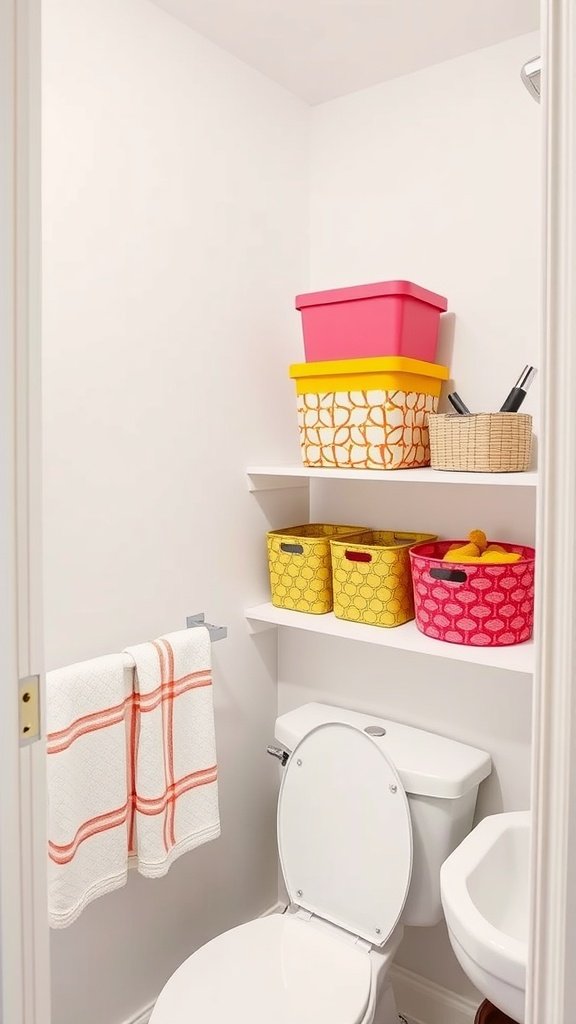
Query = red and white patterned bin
x=465 y=603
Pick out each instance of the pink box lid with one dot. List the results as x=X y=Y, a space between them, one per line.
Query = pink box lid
x=372 y=291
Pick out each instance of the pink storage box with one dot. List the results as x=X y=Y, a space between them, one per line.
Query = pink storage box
x=467 y=603
x=392 y=318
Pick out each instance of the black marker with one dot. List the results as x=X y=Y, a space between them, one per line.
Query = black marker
x=458 y=404
x=518 y=394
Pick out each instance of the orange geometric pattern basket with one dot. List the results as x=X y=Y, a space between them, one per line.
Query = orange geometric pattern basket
x=367 y=413
x=365 y=429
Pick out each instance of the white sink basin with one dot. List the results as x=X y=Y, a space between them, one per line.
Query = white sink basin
x=484 y=886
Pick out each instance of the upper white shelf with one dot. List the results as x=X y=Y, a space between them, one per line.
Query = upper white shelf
x=518 y=658
x=265 y=478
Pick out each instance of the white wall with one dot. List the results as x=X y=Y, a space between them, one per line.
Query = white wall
x=175 y=238
x=434 y=177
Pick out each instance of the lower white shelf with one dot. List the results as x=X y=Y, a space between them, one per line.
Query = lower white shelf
x=519 y=658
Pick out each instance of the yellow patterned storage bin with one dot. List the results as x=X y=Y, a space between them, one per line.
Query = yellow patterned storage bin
x=367 y=413
x=372 y=579
x=300 y=566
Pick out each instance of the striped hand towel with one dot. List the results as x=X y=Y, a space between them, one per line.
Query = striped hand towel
x=176 y=800
x=89 y=716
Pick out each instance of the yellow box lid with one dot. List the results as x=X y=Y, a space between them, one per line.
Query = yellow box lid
x=378 y=364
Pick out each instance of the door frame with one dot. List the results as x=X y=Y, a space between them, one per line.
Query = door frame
x=24 y=937
x=551 y=985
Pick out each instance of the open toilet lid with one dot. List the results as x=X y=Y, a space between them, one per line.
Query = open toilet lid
x=344 y=832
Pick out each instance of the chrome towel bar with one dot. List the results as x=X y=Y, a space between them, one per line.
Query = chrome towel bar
x=216 y=632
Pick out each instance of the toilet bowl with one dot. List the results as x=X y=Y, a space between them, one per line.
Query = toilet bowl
x=276 y=968
x=368 y=810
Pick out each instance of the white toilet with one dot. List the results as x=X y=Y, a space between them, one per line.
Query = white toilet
x=368 y=811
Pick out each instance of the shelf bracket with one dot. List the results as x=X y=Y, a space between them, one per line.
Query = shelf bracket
x=265 y=482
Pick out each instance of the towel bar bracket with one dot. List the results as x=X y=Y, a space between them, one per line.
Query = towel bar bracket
x=216 y=632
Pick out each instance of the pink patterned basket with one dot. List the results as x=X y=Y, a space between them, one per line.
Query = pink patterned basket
x=479 y=605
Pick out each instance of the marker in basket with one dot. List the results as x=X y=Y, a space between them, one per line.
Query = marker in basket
x=458 y=404
x=518 y=393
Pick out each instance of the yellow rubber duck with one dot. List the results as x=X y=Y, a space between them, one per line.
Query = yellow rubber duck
x=477 y=552
x=478 y=537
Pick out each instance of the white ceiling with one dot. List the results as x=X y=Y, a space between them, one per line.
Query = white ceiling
x=320 y=49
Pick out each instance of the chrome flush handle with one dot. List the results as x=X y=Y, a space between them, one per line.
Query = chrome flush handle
x=282 y=755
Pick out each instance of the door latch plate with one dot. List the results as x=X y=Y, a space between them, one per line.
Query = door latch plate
x=29 y=710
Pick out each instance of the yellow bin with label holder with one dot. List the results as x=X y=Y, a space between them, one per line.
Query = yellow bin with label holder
x=371 y=577
x=367 y=413
x=300 y=565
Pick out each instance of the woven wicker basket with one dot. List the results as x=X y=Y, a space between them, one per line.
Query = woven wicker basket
x=495 y=442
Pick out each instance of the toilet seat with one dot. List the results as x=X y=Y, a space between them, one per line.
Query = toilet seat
x=345 y=832
x=274 y=968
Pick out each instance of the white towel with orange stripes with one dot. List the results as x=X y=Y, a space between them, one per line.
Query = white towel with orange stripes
x=176 y=805
x=132 y=775
x=89 y=804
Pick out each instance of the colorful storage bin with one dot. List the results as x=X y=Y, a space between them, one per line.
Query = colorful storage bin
x=371 y=577
x=300 y=565
x=391 y=318
x=366 y=413
x=481 y=605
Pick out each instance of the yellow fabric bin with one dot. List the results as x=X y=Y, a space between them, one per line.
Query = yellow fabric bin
x=300 y=565
x=367 y=413
x=371 y=577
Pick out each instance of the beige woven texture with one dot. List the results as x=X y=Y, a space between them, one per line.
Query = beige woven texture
x=496 y=442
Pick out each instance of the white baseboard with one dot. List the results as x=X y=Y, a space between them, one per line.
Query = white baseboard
x=424 y=1002
x=143 y=1017
x=420 y=1000
x=276 y=908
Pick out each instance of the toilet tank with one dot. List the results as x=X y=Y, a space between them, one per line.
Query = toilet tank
x=441 y=779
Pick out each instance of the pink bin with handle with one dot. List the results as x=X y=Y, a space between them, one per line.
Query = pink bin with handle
x=471 y=603
x=392 y=318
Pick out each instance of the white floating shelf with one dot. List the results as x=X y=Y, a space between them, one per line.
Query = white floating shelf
x=265 y=478
x=519 y=658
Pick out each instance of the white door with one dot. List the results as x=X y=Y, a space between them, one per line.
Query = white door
x=24 y=976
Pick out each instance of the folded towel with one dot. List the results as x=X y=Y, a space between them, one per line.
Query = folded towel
x=89 y=715
x=176 y=803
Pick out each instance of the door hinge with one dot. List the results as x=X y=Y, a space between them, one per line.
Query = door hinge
x=29 y=710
